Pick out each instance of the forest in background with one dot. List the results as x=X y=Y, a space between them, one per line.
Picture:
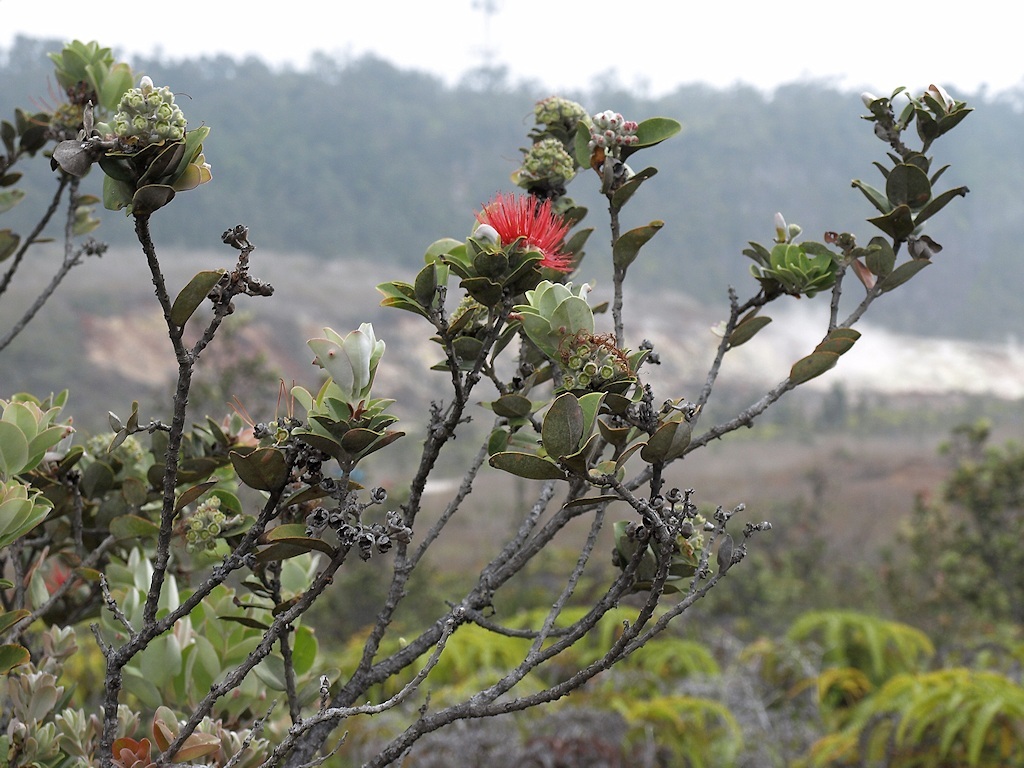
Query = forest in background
x=360 y=161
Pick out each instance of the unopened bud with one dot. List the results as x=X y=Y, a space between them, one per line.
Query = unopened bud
x=781 y=230
x=487 y=234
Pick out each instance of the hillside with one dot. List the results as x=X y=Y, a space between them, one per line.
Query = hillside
x=356 y=161
x=103 y=335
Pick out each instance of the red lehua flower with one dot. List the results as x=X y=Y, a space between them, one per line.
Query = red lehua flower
x=520 y=216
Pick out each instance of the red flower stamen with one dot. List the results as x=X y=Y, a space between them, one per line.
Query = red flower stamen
x=542 y=230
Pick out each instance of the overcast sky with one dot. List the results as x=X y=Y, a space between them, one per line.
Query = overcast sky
x=655 y=45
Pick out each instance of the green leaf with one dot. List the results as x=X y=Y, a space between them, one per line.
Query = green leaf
x=512 y=406
x=898 y=223
x=980 y=728
x=13 y=450
x=188 y=496
x=9 y=243
x=616 y=436
x=746 y=330
x=117 y=82
x=563 y=426
x=483 y=289
x=577 y=462
x=161 y=170
x=908 y=185
x=132 y=526
x=626 y=454
x=902 y=273
x=444 y=247
x=12 y=656
x=668 y=442
x=246 y=621
x=526 y=465
x=194 y=294
x=590 y=501
x=937 y=203
x=116 y=194
x=283 y=547
x=627 y=190
x=581 y=145
x=591 y=405
x=270 y=672
x=880 y=258
x=151 y=198
x=10 y=198
x=626 y=248
x=306 y=495
x=10 y=618
x=265 y=469
x=839 y=341
x=876 y=198
x=197 y=745
x=651 y=131
x=426 y=285
x=304 y=650
x=286 y=541
x=758 y=253
x=812 y=366
x=97 y=480
x=573 y=315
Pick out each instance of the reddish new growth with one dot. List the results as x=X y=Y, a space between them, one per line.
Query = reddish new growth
x=515 y=216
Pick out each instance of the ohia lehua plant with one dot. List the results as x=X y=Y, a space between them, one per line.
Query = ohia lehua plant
x=145 y=151
x=560 y=323
x=344 y=421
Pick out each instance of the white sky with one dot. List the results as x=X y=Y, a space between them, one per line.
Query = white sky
x=652 y=44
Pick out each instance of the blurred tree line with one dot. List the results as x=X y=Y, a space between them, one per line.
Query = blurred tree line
x=378 y=159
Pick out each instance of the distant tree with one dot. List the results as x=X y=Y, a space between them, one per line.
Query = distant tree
x=963 y=553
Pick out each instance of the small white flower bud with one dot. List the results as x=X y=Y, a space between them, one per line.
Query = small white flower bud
x=781 y=230
x=868 y=98
x=487 y=233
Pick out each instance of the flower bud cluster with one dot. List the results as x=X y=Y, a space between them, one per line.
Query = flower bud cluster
x=205 y=525
x=67 y=120
x=547 y=159
x=610 y=131
x=592 y=362
x=129 y=453
x=555 y=111
x=149 y=114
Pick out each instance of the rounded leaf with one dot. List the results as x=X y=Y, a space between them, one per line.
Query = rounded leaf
x=13 y=450
x=150 y=198
x=264 y=469
x=527 y=465
x=908 y=185
x=512 y=406
x=12 y=656
x=746 y=330
x=563 y=426
x=812 y=366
